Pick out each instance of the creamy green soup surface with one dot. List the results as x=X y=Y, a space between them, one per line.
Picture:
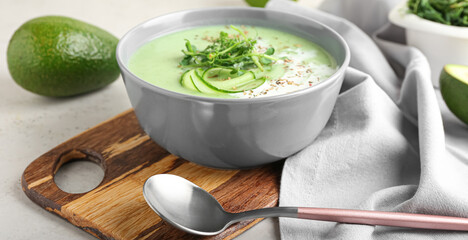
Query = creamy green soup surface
x=301 y=63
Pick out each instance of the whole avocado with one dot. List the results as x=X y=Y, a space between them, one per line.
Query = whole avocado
x=59 y=56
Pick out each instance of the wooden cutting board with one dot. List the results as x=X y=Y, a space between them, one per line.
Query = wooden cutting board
x=116 y=209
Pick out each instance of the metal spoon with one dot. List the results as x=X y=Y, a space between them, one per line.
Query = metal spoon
x=192 y=209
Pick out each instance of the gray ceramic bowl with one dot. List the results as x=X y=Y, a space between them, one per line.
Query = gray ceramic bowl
x=233 y=133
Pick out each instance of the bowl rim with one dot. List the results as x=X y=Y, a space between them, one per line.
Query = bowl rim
x=323 y=84
x=401 y=16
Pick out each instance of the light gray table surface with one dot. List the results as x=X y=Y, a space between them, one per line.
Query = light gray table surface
x=30 y=125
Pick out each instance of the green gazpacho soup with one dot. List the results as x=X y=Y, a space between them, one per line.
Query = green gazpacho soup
x=232 y=62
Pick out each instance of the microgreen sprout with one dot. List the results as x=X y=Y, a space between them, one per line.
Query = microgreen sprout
x=236 y=52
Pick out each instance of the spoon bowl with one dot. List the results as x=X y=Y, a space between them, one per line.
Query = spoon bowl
x=194 y=210
x=185 y=205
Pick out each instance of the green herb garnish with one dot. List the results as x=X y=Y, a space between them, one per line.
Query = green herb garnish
x=233 y=52
x=450 y=12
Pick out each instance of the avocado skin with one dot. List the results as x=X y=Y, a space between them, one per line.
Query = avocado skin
x=59 y=56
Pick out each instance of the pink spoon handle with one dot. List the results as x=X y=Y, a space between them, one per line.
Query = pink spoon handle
x=395 y=219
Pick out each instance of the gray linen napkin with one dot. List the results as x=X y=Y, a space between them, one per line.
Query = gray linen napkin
x=384 y=147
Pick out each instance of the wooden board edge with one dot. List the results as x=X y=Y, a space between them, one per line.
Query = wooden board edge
x=126 y=112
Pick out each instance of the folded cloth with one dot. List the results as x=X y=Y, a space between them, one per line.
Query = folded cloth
x=384 y=147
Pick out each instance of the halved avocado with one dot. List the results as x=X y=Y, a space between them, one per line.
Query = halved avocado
x=454 y=89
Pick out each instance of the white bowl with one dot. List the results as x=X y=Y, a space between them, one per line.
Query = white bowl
x=442 y=44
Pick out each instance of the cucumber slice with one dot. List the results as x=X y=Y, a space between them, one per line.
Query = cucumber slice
x=219 y=74
x=216 y=80
x=253 y=84
x=187 y=82
x=220 y=79
x=200 y=85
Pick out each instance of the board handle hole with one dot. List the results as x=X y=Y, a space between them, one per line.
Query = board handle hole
x=78 y=171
